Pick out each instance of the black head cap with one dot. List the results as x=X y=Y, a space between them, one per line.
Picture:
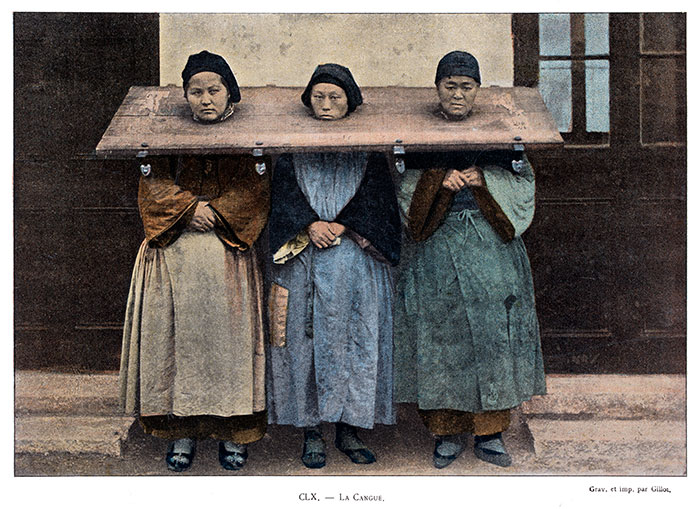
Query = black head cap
x=337 y=75
x=458 y=63
x=205 y=61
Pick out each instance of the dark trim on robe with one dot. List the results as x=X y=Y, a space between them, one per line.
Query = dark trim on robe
x=290 y=212
x=373 y=213
x=431 y=202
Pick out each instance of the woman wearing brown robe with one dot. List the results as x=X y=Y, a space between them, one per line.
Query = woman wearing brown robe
x=192 y=362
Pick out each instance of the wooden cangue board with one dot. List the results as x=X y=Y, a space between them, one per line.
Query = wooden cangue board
x=158 y=120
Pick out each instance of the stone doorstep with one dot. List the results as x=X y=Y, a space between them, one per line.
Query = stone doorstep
x=600 y=447
x=74 y=435
x=39 y=392
x=660 y=397
x=79 y=414
x=622 y=439
x=108 y=406
x=47 y=383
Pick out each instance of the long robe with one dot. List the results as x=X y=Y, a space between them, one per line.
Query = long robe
x=331 y=309
x=467 y=335
x=193 y=333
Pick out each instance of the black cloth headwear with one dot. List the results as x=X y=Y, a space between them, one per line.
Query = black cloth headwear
x=458 y=63
x=205 y=61
x=337 y=75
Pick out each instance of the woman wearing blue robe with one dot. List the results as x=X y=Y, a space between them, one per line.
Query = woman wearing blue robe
x=467 y=336
x=334 y=234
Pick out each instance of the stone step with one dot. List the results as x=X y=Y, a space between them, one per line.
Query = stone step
x=39 y=392
x=612 y=397
x=73 y=435
x=628 y=447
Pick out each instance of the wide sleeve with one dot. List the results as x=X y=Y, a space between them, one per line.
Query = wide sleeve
x=165 y=208
x=373 y=213
x=243 y=206
x=290 y=212
x=508 y=200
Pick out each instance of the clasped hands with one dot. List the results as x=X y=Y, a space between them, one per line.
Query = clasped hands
x=323 y=233
x=204 y=218
x=456 y=179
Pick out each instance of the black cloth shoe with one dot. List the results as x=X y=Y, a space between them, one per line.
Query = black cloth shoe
x=232 y=456
x=492 y=449
x=180 y=454
x=347 y=441
x=447 y=449
x=314 y=453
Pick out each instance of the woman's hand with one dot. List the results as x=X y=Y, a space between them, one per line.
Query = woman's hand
x=323 y=233
x=337 y=229
x=455 y=179
x=474 y=176
x=204 y=218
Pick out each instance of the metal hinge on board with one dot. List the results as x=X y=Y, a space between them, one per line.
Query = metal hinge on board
x=399 y=152
x=260 y=167
x=145 y=168
x=518 y=163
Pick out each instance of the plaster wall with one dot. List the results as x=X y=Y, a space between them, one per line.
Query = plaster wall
x=379 y=49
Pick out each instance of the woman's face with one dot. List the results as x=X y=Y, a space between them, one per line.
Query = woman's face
x=207 y=96
x=328 y=101
x=457 y=95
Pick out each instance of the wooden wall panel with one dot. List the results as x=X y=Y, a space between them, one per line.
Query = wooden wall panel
x=566 y=244
x=607 y=248
x=76 y=225
x=105 y=268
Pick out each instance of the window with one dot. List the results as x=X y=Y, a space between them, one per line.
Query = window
x=574 y=74
x=608 y=79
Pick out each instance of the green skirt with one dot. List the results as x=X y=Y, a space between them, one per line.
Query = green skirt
x=466 y=331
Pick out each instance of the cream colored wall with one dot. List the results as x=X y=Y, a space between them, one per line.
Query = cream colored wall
x=379 y=49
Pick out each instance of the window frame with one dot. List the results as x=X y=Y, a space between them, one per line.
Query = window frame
x=626 y=56
x=679 y=55
x=527 y=64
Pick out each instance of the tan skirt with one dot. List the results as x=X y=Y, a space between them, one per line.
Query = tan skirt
x=193 y=334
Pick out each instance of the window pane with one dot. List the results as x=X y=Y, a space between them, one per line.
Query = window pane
x=597 y=96
x=555 y=87
x=663 y=31
x=596 y=28
x=555 y=35
x=663 y=100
